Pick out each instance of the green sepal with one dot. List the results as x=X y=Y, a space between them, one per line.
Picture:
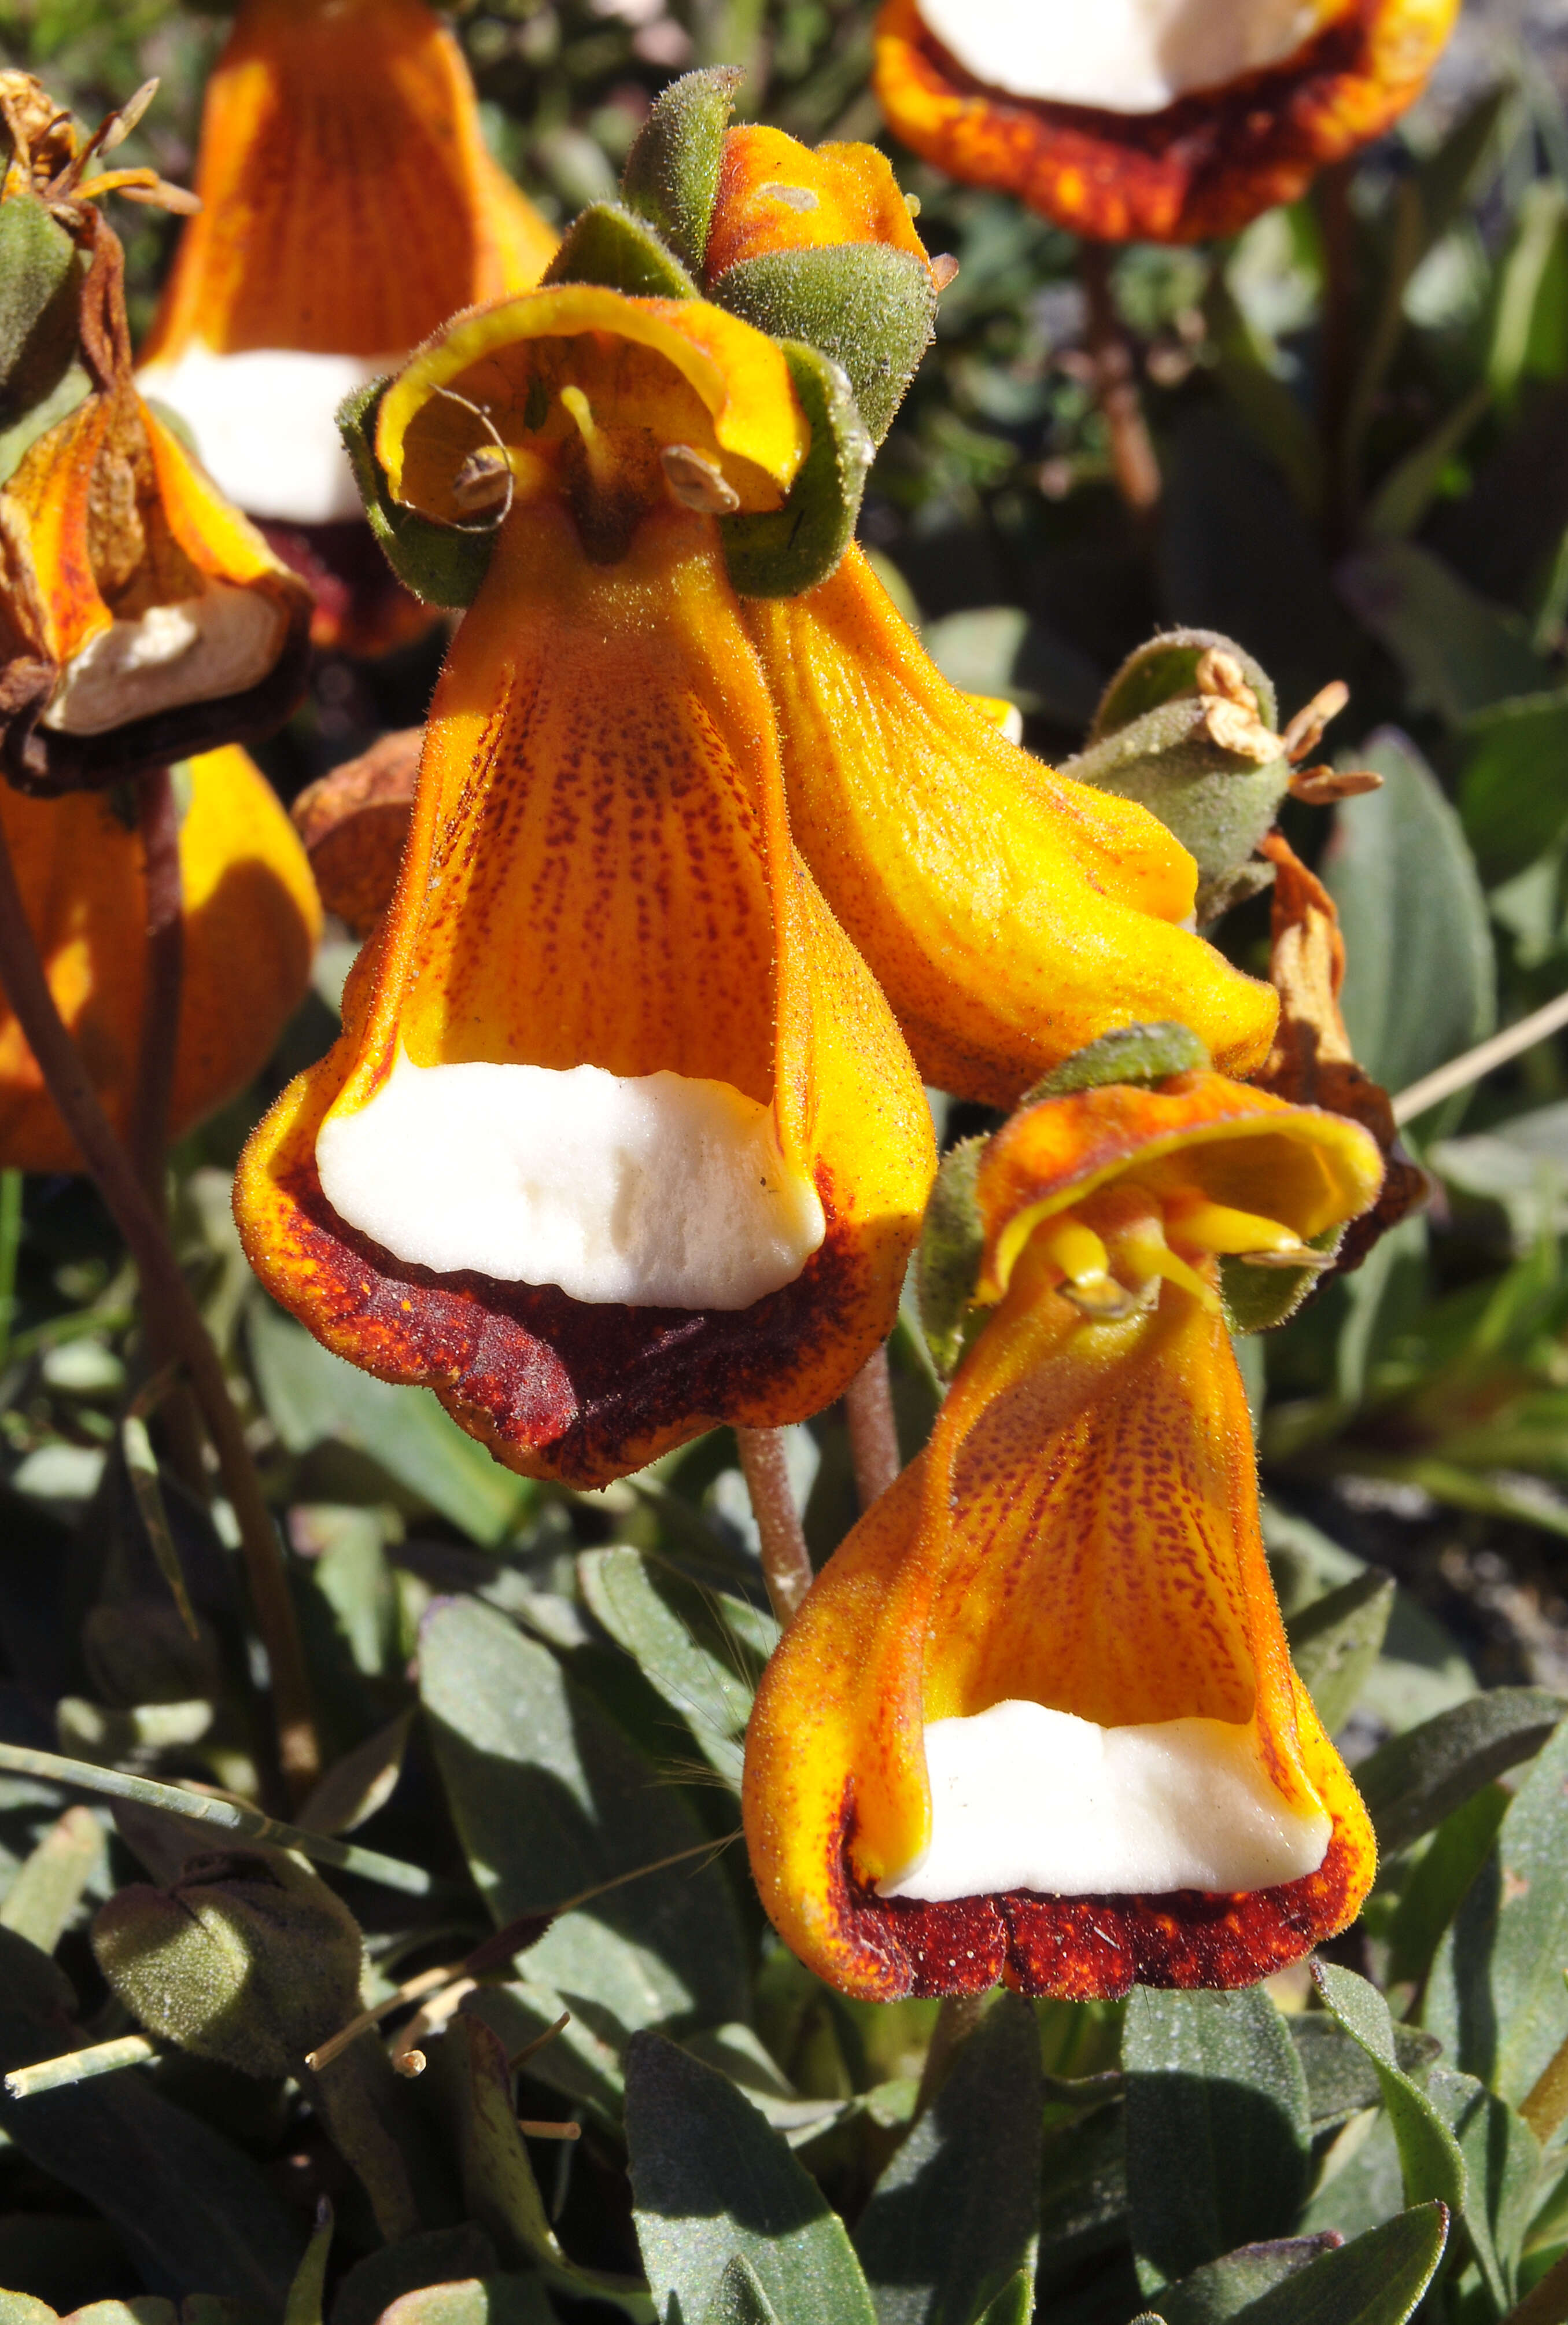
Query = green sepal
x=249 y=1958
x=1217 y=803
x=40 y=280
x=1262 y=1299
x=605 y=243
x=444 y=564
x=1132 y=1053
x=1166 y=666
x=948 y=1264
x=871 y=309
x=784 y=551
x=671 y=177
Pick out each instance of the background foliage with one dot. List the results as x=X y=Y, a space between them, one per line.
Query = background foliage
x=1361 y=408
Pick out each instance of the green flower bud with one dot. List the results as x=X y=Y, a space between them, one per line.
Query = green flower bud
x=249 y=1958
x=1186 y=729
x=41 y=279
x=872 y=309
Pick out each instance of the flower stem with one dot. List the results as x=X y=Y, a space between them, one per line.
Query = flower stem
x=164 y=885
x=1460 y=1072
x=786 y=1560
x=1132 y=460
x=169 y=1295
x=874 y=1428
x=78 y=2066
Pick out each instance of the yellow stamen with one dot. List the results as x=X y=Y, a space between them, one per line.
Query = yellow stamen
x=595 y=443
x=1141 y=1250
x=1216 y=1227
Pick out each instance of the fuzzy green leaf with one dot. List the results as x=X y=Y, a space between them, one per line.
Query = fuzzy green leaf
x=1375 y=2279
x=1335 y=1641
x=41 y=279
x=869 y=308
x=444 y=564
x=703 y=1651
x=1223 y=2289
x=671 y=177
x=1133 y=1053
x=953 y=2218
x=710 y=2179
x=1429 y=2155
x=1411 y=1782
x=947 y=1265
x=607 y=243
x=1164 y=668
x=1218 y=2130
x=739 y=2298
x=781 y=552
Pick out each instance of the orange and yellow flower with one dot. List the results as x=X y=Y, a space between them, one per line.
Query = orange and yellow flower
x=1079 y=1537
x=141 y=616
x=252 y=920
x=349 y=206
x=604 y=958
x=1164 y=125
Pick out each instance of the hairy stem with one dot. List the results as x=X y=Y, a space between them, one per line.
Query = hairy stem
x=786 y=1560
x=1132 y=460
x=169 y=1295
x=874 y=1428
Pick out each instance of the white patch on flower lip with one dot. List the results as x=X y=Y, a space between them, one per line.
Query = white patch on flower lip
x=658 y=1191
x=265 y=425
x=1119 y=56
x=1024 y=1798
x=198 y=649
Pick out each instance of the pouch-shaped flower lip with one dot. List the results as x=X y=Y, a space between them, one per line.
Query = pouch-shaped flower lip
x=603 y=959
x=466 y=395
x=252 y=922
x=348 y=204
x=149 y=620
x=1052 y=1650
x=1166 y=124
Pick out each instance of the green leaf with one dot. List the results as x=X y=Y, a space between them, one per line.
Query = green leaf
x=672 y=176
x=50 y=1884
x=1375 y=2279
x=1001 y=650
x=1340 y=2080
x=436 y=2257
x=499 y=2188
x=40 y=280
x=1437 y=1882
x=188 y=2204
x=739 y=2298
x=1414 y=918
x=702 y=1650
x=1133 y=1053
x=784 y=551
x=1218 y=2130
x=1335 y=1642
x=947 y=1263
x=954 y=2216
x=472 y=2300
x=1496 y=1999
x=303 y=2306
x=1223 y=2289
x=1413 y=1782
x=607 y=243
x=550 y=1799
x=1502 y=2158
x=1429 y=2155
x=710 y=2180
x=1513 y=794
x=444 y=564
x=1014 y=2304
x=1405 y=495
x=869 y=308
x=361 y=1781
x=312 y=1398
x=1459 y=651
x=1164 y=669
x=1528 y=311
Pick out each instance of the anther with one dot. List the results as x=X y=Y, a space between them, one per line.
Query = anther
x=697 y=483
x=484 y=481
x=1087 y=1281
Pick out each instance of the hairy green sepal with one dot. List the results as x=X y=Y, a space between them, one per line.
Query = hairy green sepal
x=444 y=564
x=1262 y=1299
x=952 y=1246
x=1150 y=743
x=41 y=278
x=787 y=551
x=1133 y=1053
x=871 y=309
x=249 y=1958
x=607 y=245
x=671 y=177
